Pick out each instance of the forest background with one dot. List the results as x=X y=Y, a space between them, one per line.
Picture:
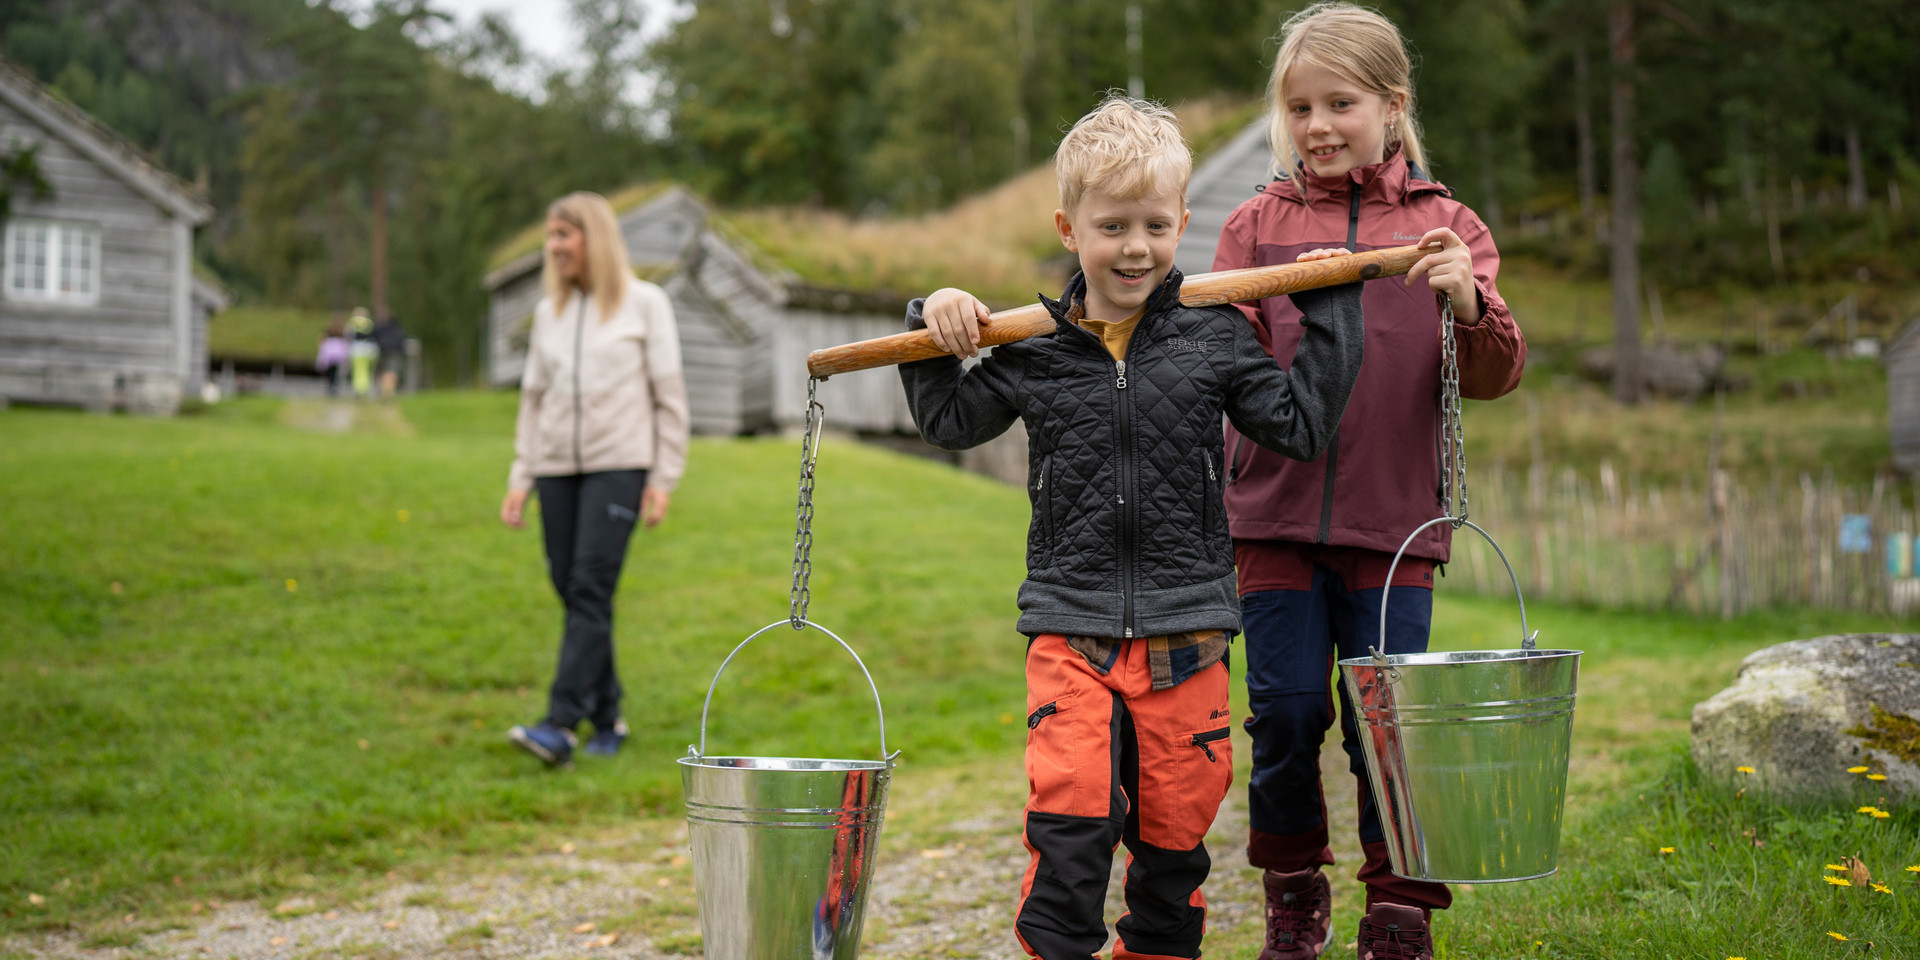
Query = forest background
x=376 y=153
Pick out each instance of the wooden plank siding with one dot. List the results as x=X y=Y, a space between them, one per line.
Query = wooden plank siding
x=1222 y=181
x=143 y=343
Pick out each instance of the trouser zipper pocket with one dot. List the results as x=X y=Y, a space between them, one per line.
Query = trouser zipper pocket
x=1034 y=718
x=1205 y=742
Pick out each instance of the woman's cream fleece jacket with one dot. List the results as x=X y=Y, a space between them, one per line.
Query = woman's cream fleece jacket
x=602 y=394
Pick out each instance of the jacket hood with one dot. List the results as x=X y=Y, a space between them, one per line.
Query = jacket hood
x=1393 y=179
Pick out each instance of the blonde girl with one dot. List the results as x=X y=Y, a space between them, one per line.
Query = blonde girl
x=1313 y=541
x=602 y=440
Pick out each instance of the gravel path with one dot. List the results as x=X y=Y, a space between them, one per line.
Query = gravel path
x=951 y=862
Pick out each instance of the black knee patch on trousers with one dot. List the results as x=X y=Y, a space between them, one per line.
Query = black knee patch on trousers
x=1064 y=915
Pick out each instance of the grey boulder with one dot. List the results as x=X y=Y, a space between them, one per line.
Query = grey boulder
x=1801 y=713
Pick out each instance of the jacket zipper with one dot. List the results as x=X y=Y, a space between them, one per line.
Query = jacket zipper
x=1205 y=741
x=579 y=331
x=1126 y=489
x=1045 y=505
x=1333 y=446
x=1206 y=508
x=1034 y=718
x=1233 y=461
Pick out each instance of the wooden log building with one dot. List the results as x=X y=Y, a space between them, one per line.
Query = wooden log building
x=99 y=305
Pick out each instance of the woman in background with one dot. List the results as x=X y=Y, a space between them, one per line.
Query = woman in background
x=602 y=440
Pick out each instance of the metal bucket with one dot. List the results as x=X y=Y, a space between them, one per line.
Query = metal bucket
x=1467 y=751
x=783 y=847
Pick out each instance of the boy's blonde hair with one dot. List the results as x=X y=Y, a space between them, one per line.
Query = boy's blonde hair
x=607 y=263
x=1360 y=45
x=1127 y=147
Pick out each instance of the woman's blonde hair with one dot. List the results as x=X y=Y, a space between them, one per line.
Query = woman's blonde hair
x=607 y=264
x=1359 y=45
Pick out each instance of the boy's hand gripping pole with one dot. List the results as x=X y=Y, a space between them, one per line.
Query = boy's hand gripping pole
x=1202 y=290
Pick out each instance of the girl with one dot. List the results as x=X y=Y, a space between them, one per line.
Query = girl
x=602 y=437
x=1313 y=541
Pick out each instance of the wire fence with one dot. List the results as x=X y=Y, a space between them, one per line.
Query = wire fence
x=1707 y=544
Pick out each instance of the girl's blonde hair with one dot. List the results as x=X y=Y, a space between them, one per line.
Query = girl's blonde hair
x=607 y=268
x=1361 y=46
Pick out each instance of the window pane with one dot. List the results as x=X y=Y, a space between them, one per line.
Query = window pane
x=37 y=278
x=83 y=276
x=17 y=256
x=63 y=282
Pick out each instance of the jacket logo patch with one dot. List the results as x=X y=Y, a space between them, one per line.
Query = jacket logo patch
x=1197 y=346
x=1407 y=237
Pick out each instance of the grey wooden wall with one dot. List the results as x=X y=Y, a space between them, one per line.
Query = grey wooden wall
x=1223 y=180
x=75 y=354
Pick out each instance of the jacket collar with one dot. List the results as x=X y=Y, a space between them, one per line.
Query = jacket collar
x=1393 y=179
x=1168 y=292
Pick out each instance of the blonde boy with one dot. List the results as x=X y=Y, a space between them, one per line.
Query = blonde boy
x=1129 y=599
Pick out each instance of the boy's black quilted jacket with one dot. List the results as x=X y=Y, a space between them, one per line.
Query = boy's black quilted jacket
x=1125 y=468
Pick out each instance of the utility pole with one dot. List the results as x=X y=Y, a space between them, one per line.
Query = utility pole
x=1136 y=85
x=1625 y=188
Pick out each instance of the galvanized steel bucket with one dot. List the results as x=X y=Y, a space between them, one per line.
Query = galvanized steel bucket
x=1467 y=751
x=783 y=847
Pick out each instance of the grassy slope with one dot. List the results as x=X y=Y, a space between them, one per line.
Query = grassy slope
x=264 y=333
x=205 y=722
x=276 y=611
x=1840 y=418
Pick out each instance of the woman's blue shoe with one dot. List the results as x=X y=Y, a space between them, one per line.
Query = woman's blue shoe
x=549 y=742
x=606 y=743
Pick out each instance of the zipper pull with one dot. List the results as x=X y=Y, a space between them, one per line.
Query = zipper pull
x=1120 y=383
x=1211 y=476
x=1129 y=633
x=1203 y=745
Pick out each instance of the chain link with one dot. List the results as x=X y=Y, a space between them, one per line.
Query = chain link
x=1453 y=445
x=801 y=592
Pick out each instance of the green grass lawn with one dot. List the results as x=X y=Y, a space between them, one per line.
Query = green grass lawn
x=258 y=659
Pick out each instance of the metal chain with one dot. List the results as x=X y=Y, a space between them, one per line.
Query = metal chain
x=801 y=593
x=1453 y=444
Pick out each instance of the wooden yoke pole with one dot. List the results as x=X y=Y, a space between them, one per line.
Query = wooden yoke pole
x=1203 y=290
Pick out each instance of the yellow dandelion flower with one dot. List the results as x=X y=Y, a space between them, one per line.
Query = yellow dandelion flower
x=1914 y=869
x=1881 y=814
x=404 y=516
x=1838 y=881
x=1883 y=888
x=1866 y=809
x=1836 y=936
x=1856 y=769
x=1837 y=868
x=1666 y=850
x=1876 y=776
x=292 y=585
x=1736 y=958
x=1742 y=770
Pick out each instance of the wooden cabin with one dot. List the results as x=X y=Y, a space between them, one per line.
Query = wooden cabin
x=99 y=306
x=1903 y=398
x=746 y=325
x=1222 y=180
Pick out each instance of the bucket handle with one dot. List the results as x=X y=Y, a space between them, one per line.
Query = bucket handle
x=1526 y=639
x=878 y=710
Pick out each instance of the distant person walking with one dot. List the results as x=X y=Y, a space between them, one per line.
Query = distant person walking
x=334 y=353
x=391 y=338
x=364 y=352
x=602 y=439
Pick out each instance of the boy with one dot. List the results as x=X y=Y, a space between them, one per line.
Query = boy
x=1129 y=597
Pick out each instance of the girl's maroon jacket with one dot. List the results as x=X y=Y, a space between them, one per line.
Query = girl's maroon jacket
x=1381 y=478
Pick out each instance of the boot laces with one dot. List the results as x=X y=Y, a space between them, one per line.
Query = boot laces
x=1288 y=919
x=1389 y=942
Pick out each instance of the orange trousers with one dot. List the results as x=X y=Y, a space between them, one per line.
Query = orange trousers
x=1110 y=760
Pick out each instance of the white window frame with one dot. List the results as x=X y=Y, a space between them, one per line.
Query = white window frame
x=57 y=272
